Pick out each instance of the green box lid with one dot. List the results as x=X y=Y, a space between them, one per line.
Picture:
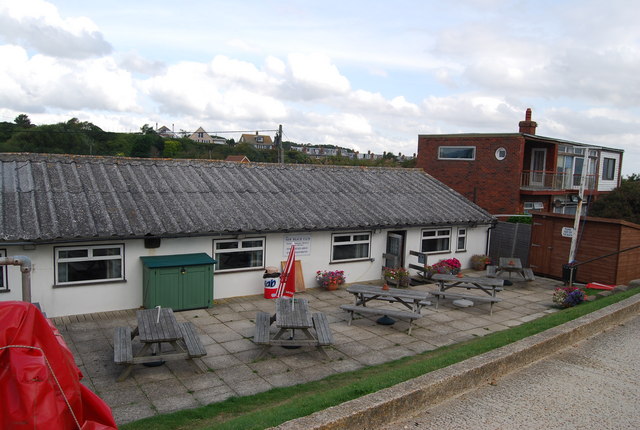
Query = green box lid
x=177 y=260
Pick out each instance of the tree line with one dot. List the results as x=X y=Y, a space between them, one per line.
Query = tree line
x=84 y=138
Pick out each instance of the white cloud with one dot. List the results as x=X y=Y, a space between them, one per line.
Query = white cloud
x=41 y=81
x=38 y=25
x=223 y=88
x=313 y=76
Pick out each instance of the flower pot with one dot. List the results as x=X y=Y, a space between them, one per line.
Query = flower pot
x=332 y=286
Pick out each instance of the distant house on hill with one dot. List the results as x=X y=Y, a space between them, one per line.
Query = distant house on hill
x=237 y=158
x=92 y=225
x=166 y=132
x=202 y=136
x=257 y=140
x=510 y=173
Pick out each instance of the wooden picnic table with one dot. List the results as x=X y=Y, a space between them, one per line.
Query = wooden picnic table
x=157 y=326
x=490 y=286
x=513 y=265
x=292 y=315
x=411 y=299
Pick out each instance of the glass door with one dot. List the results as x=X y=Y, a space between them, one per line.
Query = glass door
x=538 y=165
x=393 y=255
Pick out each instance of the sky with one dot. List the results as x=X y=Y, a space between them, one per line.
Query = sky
x=369 y=75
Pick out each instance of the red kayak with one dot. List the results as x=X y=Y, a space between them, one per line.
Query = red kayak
x=39 y=381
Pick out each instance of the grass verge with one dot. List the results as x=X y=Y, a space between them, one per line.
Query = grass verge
x=278 y=405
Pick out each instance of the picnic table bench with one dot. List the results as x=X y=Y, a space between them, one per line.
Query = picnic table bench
x=411 y=299
x=155 y=327
x=289 y=318
x=490 y=286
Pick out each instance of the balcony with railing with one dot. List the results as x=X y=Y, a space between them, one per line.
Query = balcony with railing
x=539 y=180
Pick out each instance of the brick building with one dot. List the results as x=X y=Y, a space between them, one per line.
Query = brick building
x=509 y=173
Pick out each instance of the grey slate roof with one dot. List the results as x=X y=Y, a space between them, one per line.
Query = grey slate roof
x=51 y=198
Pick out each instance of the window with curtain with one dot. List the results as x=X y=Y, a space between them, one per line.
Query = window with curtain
x=608 y=169
x=462 y=239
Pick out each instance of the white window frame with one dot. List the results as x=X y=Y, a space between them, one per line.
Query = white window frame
x=353 y=240
x=439 y=233
x=4 y=286
x=90 y=257
x=606 y=161
x=238 y=249
x=462 y=234
x=473 y=157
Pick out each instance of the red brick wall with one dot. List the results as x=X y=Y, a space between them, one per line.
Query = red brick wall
x=490 y=183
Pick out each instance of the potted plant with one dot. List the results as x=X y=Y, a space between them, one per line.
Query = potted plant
x=449 y=266
x=567 y=297
x=330 y=279
x=398 y=276
x=480 y=261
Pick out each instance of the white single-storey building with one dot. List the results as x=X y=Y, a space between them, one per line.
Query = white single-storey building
x=89 y=224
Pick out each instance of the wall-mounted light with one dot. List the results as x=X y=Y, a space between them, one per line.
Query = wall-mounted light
x=182 y=271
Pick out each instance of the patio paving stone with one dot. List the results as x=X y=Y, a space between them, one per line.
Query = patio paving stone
x=227 y=328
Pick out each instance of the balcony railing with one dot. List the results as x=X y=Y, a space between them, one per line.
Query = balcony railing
x=542 y=180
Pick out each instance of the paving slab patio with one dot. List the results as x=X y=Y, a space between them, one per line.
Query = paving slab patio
x=226 y=330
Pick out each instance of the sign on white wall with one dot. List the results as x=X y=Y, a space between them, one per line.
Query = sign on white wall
x=303 y=244
x=567 y=232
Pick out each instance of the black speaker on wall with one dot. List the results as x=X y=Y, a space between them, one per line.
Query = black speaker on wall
x=152 y=242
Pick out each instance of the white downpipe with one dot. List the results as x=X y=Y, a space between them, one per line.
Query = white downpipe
x=25 y=267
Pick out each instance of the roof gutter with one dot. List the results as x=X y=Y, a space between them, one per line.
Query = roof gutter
x=25 y=267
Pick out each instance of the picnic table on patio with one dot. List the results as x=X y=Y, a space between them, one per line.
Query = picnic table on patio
x=155 y=327
x=510 y=265
x=292 y=315
x=412 y=299
x=490 y=286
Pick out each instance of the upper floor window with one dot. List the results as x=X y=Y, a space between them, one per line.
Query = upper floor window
x=350 y=246
x=89 y=264
x=436 y=240
x=457 y=153
x=200 y=134
x=238 y=254
x=608 y=169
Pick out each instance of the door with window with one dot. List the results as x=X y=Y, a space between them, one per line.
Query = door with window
x=538 y=165
x=393 y=257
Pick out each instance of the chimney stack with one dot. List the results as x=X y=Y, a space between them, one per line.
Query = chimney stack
x=527 y=126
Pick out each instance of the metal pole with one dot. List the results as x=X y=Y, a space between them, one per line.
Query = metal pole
x=25 y=267
x=576 y=221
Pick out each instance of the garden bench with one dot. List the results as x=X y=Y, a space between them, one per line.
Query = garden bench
x=122 y=349
x=192 y=341
x=393 y=313
x=323 y=332
x=263 y=322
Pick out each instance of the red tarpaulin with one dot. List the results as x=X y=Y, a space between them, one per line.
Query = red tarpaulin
x=39 y=381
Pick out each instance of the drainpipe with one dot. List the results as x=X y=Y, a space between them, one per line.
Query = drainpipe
x=493 y=225
x=25 y=267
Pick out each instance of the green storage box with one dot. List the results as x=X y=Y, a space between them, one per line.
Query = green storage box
x=180 y=282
